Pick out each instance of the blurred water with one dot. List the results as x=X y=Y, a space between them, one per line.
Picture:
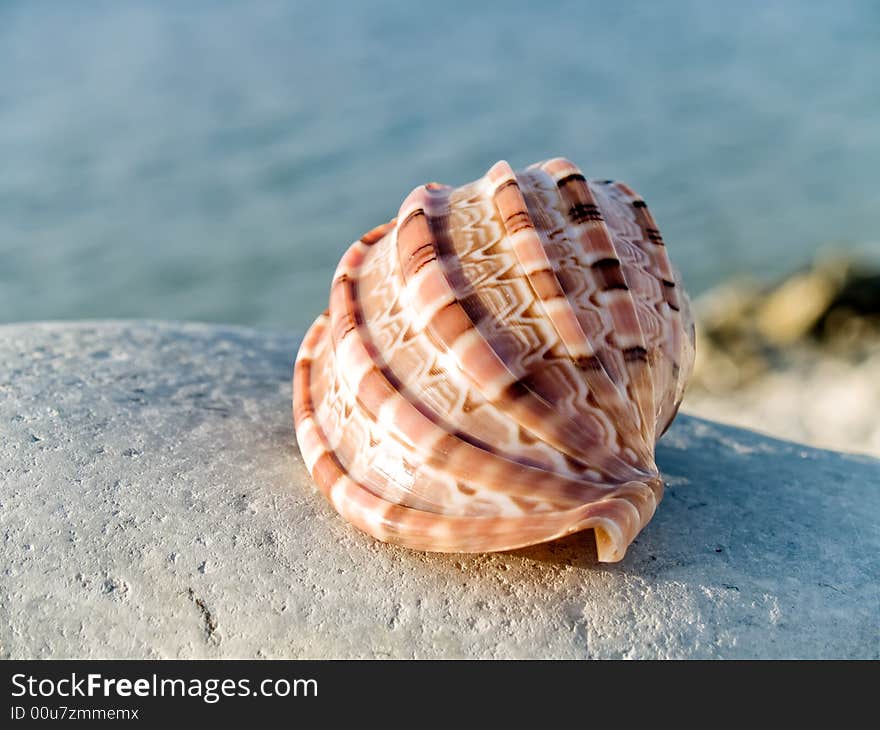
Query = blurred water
x=212 y=160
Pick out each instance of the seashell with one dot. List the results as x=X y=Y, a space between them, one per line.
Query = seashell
x=496 y=365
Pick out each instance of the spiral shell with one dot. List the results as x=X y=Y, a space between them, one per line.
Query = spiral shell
x=496 y=365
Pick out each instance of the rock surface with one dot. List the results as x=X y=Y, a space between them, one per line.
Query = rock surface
x=153 y=504
x=762 y=347
x=816 y=398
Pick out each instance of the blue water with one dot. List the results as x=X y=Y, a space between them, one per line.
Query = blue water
x=212 y=160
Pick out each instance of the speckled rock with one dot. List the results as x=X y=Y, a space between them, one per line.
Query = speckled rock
x=153 y=504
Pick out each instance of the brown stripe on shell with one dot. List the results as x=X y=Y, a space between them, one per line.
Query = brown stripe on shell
x=598 y=245
x=674 y=345
x=426 y=375
x=475 y=355
x=607 y=384
x=616 y=517
x=373 y=389
x=528 y=242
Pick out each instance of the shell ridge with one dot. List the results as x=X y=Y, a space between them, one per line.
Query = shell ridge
x=368 y=453
x=670 y=308
x=560 y=170
x=518 y=397
x=347 y=322
x=408 y=359
x=348 y=432
x=420 y=530
x=586 y=309
x=648 y=288
x=606 y=393
x=613 y=291
x=481 y=364
x=524 y=238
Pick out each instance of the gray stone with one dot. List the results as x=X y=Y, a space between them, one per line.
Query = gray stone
x=153 y=504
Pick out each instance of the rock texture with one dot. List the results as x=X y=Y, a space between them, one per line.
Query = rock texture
x=760 y=347
x=153 y=504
